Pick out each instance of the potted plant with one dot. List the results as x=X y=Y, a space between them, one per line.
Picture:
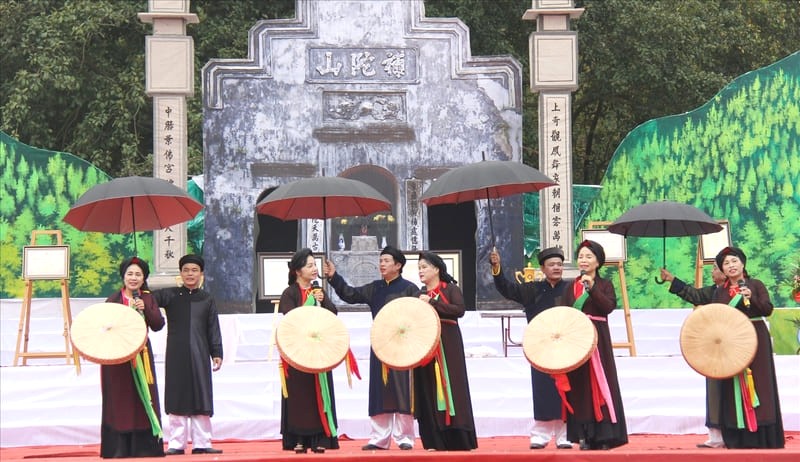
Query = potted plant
x=794 y=282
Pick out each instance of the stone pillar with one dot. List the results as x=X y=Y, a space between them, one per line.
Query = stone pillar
x=554 y=74
x=169 y=79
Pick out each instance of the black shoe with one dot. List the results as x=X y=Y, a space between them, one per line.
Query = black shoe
x=405 y=446
x=584 y=445
x=174 y=452
x=371 y=447
x=206 y=451
x=537 y=446
x=564 y=446
x=300 y=449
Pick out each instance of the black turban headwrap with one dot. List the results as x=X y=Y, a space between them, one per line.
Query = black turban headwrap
x=596 y=249
x=396 y=254
x=730 y=251
x=437 y=261
x=191 y=258
x=123 y=267
x=550 y=253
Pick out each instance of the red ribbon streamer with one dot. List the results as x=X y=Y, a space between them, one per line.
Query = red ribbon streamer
x=321 y=408
x=351 y=358
x=563 y=386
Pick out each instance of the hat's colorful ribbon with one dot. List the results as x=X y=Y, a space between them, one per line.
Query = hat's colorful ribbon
x=143 y=390
x=744 y=390
x=324 y=406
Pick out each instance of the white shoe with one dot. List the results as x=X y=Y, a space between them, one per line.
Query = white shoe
x=564 y=444
x=538 y=443
x=712 y=444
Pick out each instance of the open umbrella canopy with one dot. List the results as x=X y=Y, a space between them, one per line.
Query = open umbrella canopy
x=129 y=204
x=664 y=219
x=322 y=197
x=488 y=179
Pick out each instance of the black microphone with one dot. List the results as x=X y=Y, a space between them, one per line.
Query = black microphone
x=742 y=285
x=136 y=296
x=314 y=288
x=584 y=282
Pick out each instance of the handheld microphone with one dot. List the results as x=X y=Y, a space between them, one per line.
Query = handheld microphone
x=314 y=288
x=742 y=285
x=584 y=282
x=137 y=295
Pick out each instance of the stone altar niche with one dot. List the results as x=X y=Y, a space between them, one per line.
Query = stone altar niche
x=359 y=264
x=367 y=89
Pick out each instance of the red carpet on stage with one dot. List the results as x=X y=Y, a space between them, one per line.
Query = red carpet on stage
x=649 y=448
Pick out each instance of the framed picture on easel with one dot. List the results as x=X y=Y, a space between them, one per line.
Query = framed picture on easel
x=711 y=244
x=45 y=262
x=613 y=244
x=451 y=258
x=273 y=271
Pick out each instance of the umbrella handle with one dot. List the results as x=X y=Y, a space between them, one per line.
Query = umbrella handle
x=659 y=281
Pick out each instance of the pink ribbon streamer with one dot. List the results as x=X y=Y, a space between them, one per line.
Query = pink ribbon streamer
x=600 y=375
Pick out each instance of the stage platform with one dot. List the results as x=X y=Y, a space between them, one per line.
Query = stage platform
x=47 y=404
x=649 y=448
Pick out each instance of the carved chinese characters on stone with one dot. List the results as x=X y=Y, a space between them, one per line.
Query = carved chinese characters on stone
x=362 y=65
x=168 y=164
x=556 y=201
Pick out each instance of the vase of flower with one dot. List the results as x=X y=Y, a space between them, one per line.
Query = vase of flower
x=341 y=241
x=383 y=242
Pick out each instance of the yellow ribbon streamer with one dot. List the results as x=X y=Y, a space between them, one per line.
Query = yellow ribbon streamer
x=284 y=390
x=439 y=390
x=148 y=373
x=751 y=387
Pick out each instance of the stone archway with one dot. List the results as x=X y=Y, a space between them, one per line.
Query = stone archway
x=271 y=235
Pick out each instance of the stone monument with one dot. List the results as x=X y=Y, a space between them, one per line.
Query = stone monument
x=554 y=74
x=169 y=68
x=368 y=90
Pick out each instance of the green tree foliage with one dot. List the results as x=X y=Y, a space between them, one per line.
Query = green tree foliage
x=645 y=59
x=72 y=72
x=736 y=158
x=53 y=181
x=72 y=79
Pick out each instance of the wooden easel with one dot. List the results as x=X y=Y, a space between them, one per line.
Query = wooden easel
x=25 y=317
x=630 y=344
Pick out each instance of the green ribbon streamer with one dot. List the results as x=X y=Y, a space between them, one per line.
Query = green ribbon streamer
x=737 y=389
x=754 y=397
x=737 y=395
x=440 y=406
x=143 y=390
x=581 y=300
x=326 y=401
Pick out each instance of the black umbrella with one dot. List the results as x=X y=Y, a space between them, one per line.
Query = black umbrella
x=131 y=204
x=664 y=219
x=488 y=179
x=322 y=197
